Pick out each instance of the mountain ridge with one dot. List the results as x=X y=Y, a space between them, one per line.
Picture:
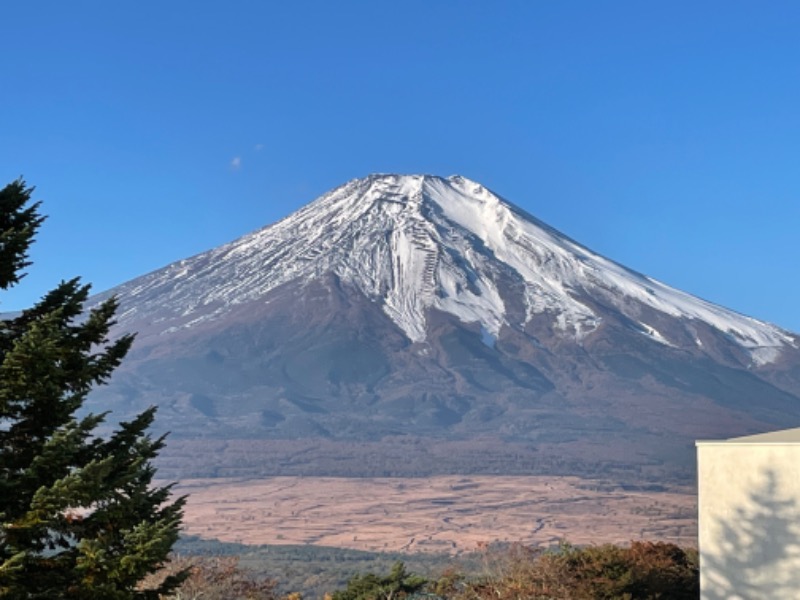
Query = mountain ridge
x=418 y=307
x=415 y=266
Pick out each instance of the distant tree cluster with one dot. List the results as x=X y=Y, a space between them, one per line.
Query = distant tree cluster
x=641 y=571
x=398 y=584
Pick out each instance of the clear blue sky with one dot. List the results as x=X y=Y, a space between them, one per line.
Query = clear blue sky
x=664 y=135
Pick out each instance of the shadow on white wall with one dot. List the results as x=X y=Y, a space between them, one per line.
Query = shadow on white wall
x=758 y=556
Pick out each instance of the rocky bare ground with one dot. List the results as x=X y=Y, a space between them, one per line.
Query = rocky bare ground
x=436 y=514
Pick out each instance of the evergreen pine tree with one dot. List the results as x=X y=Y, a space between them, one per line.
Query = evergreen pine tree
x=79 y=516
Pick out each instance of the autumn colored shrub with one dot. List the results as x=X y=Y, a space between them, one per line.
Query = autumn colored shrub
x=642 y=571
x=646 y=570
x=520 y=572
x=218 y=578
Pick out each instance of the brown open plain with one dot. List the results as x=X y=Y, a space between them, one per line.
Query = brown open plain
x=433 y=514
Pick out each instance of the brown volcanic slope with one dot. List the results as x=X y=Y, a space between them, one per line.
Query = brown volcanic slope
x=412 y=326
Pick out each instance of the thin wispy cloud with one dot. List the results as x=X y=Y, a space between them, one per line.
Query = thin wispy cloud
x=236 y=162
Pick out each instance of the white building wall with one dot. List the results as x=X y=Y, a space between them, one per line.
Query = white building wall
x=749 y=520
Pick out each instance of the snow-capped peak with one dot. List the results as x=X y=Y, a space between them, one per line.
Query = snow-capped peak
x=415 y=243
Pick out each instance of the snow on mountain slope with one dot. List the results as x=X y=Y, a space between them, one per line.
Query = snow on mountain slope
x=412 y=243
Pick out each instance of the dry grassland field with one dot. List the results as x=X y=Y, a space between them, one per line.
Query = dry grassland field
x=434 y=514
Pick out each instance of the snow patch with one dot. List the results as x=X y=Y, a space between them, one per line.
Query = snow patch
x=487 y=337
x=764 y=356
x=654 y=334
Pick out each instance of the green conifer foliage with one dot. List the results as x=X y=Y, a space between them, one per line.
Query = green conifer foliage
x=398 y=584
x=79 y=516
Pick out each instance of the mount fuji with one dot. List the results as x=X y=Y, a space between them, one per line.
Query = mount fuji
x=409 y=317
